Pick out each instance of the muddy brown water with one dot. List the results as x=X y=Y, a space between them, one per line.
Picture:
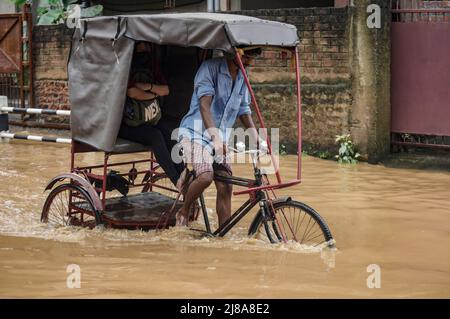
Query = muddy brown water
x=397 y=219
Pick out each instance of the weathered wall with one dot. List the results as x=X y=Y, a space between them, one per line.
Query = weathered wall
x=326 y=77
x=345 y=77
x=51 y=46
x=345 y=69
x=370 y=61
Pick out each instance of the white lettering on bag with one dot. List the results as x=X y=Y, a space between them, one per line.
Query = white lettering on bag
x=150 y=112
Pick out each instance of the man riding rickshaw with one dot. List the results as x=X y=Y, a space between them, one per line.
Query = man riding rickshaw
x=214 y=91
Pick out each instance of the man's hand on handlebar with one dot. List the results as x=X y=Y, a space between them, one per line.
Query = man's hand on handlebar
x=220 y=148
x=262 y=146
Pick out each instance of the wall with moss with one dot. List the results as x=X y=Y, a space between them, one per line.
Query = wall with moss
x=326 y=78
x=345 y=75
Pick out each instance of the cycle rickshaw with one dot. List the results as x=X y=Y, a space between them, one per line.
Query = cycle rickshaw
x=98 y=70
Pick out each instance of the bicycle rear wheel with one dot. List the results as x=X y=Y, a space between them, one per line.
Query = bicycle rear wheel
x=69 y=205
x=292 y=221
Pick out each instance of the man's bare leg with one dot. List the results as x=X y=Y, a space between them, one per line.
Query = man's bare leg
x=194 y=191
x=223 y=201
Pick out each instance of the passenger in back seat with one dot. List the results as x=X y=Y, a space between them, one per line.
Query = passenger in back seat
x=147 y=82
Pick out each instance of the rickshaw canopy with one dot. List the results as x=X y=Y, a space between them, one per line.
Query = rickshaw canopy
x=102 y=51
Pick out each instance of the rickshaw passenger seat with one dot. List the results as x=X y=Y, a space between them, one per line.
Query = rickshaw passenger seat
x=123 y=146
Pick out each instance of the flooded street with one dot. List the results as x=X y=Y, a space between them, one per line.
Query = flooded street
x=397 y=219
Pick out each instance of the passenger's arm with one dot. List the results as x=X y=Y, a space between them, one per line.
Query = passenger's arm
x=161 y=90
x=139 y=94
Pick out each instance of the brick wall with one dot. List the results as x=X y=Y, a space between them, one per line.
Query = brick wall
x=325 y=70
x=51 y=45
x=345 y=70
x=325 y=76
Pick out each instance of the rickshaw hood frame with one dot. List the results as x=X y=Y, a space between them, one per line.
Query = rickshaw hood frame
x=102 y=49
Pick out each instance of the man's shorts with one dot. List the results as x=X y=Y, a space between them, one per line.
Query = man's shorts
x=202 y=160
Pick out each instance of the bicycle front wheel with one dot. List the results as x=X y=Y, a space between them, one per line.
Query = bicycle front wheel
x=291 y=221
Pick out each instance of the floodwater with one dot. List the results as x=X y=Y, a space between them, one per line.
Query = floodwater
x=397 y=219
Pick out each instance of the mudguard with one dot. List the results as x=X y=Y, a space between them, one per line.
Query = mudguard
x=83 y=182
x=282 y=200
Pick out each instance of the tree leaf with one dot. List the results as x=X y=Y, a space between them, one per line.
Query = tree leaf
x=56 y=3
x=41 y=11
x=50 y=17
x=92 y=11
x=46 y=19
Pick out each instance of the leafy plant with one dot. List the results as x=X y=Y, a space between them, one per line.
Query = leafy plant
x=56 y=11
x=322 y=154
x=283 y=149
x=347 y=152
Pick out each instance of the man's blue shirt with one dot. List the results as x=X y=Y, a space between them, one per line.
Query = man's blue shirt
x=213 y=79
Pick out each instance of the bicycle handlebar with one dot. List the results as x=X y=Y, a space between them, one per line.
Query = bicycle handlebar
x=243 y=151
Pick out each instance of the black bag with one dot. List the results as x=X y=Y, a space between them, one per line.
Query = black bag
x=138 y=112
x=142 y=112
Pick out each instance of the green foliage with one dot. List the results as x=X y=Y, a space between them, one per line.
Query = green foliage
x=322 y=154
x=56 y=11
x=51 y=15
x=347 y=152
x=283 y=149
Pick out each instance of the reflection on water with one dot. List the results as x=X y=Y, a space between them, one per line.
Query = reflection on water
x=397 y=219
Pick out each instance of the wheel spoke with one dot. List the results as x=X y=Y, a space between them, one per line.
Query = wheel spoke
x=56 y=207
x=310 y=229
x=298 y=219
x=61 y=206
x=289 y=225
x=63 y=215
x=58 y=213
x=313 y=233
x=320 y=243
x=309 y=221
x=316 y=237
x=303 y=218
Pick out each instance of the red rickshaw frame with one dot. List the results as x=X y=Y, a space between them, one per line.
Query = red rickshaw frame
x=251 y=189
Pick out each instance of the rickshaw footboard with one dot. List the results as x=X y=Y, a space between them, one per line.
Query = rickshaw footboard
x=142 y=210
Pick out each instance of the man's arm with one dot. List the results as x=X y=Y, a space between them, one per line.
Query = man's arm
x=205 y=111
x=247 y=121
